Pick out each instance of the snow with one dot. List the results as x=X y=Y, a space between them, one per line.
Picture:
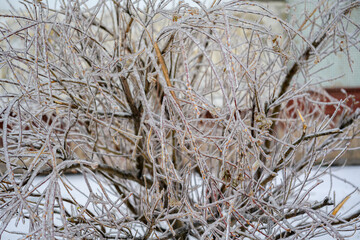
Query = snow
x=336 y=188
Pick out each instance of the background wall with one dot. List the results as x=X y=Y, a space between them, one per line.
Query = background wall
x=340 y=62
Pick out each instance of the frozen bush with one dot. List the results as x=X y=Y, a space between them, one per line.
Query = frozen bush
x=202 y=120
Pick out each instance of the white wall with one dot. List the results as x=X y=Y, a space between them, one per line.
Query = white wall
x=340 y=61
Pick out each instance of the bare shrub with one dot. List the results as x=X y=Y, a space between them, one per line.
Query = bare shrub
x=205 y=121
